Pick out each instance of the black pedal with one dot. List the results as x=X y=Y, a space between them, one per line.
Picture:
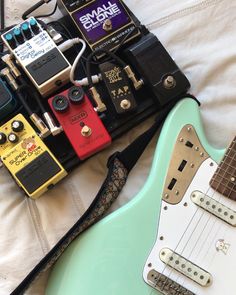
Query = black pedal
x=158 y=70
x=8 y=102
x=117 y=84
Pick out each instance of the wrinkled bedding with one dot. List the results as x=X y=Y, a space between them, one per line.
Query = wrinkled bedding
x=200 y=36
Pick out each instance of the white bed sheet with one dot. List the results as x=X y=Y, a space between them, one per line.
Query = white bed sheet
x=200 y=36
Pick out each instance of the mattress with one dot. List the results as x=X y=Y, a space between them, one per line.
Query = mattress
x=200 y=36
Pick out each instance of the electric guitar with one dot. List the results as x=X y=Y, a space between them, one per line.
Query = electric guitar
x=177 y=236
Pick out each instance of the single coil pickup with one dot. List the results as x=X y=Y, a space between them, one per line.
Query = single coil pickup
x=214 y=207
x=165 y=285
x=185 y=267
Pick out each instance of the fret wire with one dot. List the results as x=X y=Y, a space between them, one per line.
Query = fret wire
x=229 y=157
x=231 y=149
x=225 y=187
x=221 y=169
x=224 y=163
x=224 y=178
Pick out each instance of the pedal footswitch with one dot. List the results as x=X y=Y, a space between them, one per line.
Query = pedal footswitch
x=80 y=122
x=28 y=159
x=117 y=84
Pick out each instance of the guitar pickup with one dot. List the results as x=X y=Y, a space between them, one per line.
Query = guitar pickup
x=214 y=207
x=185 y=267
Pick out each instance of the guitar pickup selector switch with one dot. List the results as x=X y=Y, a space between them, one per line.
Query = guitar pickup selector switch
x=38 y=55
x=80 y=122
x=28 y=159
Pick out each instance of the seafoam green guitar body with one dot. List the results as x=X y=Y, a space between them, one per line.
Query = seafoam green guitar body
x=109 y=258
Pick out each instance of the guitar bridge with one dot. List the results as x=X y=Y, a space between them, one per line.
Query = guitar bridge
x=165 y=285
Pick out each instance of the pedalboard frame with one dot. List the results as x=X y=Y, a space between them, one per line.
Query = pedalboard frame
x=86 y=131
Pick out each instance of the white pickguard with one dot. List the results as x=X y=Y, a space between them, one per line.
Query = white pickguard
x=195 y=234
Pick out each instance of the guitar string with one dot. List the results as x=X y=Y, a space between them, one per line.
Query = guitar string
x=227 y=187
x=232 y=159
x=216 y=220
x=203 y=213
x=234 y=173
x=165 y=266
x=181 y=238
x=230 y=191
x=219 y=229
x=177 y=246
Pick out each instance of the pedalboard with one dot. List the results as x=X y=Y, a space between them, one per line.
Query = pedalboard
x=80 y=122
x=38 y=55
x=27 y=158
x=48 y=126
x=104 y=24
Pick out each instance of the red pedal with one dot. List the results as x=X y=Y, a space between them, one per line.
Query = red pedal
x=80 y=122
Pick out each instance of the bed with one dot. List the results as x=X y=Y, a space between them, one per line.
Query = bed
x=200 y=36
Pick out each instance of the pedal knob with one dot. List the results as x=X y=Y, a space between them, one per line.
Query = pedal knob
x=11 y=41
x=60 y=103
x=34 y=26
x=13 y=138
x=18 y=35
x=3 y=138
x=76 y=95
x=86 y=131
x=26 y=30
x=17 y=126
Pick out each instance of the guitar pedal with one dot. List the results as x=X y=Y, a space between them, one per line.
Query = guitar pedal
x=38 y=55
x=157 y=69
x=117 y=84
x=8 y=102
x=28 y=159
x=80 y=122
x=102 y=23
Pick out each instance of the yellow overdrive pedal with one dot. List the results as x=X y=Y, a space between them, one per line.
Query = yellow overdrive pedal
x=28 y=159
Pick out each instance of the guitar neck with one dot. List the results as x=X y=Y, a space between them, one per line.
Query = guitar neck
x=224 y=179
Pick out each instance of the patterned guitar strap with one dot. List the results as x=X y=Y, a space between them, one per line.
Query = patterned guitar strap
x=119 y=165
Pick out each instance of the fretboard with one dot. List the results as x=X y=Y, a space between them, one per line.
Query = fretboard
x=224 y=179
